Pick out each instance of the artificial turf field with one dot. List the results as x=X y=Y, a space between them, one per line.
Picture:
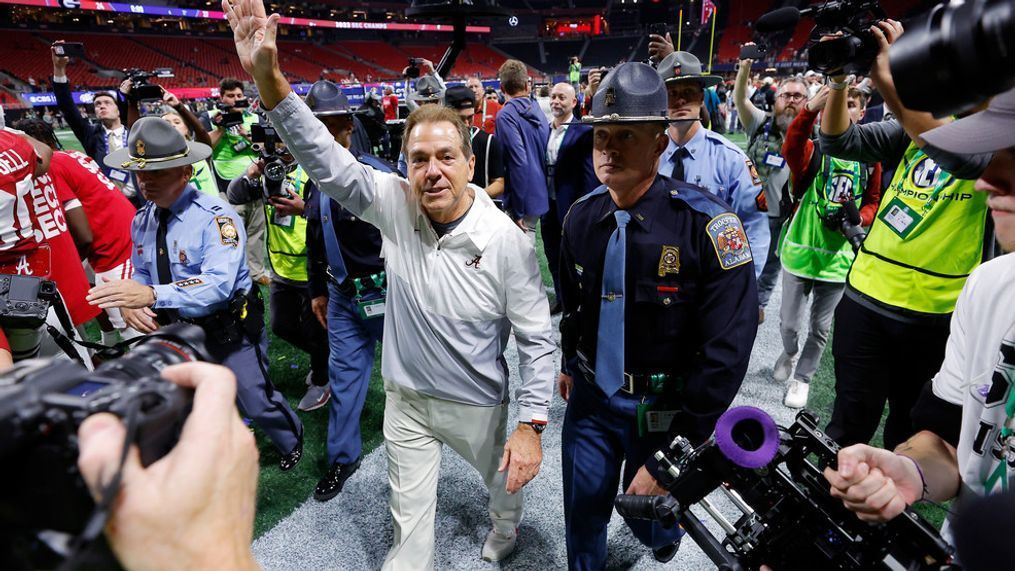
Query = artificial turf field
x=280 y=493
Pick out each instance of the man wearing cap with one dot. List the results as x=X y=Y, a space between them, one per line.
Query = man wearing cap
x=659 y=296
x=461 y=279
x=523 y=134
x=489 y=171
x=569 y=174
x=347 y=294
x=705 y=158
x=930 y=232
x=766 y=132
x=964 y=415
x=189 y=266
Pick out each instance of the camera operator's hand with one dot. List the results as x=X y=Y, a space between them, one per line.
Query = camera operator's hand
x=644 y=484
x=319 y=305
x=886 y=33
x=169 y=99
x=595 y=76
x=747 y=62
x=292 y=205
x=59 y=62
x=659 y=47
x=564 y=384
x=121 y=293
x=254 y=169
x=817 y=103
x=126 y=86
x=194 y=508
x=142 y=319
x=874 y=483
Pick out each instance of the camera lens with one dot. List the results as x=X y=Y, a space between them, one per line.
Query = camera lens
x=171 y=345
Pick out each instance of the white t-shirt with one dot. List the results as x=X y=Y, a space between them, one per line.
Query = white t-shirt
x=979 y=370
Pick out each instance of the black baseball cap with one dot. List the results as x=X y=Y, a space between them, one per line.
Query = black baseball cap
x=459 y=97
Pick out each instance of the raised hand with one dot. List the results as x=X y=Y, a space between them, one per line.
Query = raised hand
x=254 y=36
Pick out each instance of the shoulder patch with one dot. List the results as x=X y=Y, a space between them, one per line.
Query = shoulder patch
x=753 y=170
x=189 y=282
x=729 y=240
x=761 y=201
x=227 y=231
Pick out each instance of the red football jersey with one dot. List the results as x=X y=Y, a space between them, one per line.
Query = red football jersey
x=390 y=105
x=67 y=271
x=108 y=210
x=17 y=220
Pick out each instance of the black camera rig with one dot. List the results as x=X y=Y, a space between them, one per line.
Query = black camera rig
x=790 y=520
x=271 y=148
x=140 y=87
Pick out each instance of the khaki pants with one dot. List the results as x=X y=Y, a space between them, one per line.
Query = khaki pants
x=255 y=224
x=415 y=428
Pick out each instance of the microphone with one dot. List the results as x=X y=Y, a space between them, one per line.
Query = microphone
x=776 y=20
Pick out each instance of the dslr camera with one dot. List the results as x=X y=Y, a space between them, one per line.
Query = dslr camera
x=231 y=118
x=25 y=301
x=412 y=72
x=140 y=88
x=270 y=147
x=42 y=404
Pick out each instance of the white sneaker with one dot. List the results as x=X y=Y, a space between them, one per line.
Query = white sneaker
x=498 y=546
x=783 y=368
x=796 y=394
x=315 y=398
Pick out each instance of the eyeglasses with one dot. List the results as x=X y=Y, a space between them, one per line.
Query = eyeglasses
x=793 y=96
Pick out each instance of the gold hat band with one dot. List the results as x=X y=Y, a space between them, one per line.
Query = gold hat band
x=141 y=162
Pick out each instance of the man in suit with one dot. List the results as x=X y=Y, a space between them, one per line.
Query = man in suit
x=569 y=172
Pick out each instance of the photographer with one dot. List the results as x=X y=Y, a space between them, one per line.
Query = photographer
x=929 y=234
x=965 y=413
x=815 y=253
x=766 y=133
x=97 y=140
x=232 y=156
x=284 y=199
x=574 y=71
x=193 y=508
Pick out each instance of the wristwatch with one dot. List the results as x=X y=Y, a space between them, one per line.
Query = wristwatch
x=539 y=427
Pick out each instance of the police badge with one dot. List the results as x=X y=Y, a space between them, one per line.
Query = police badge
x=669 y=261
x=139 y=148
x=227 y=231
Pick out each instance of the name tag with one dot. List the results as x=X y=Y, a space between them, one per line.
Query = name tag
x=775 y=160
x=118 y=176
x=240 y=146
x=900 y=218
x=371 y=309
x=659 y=420
x=285 y=221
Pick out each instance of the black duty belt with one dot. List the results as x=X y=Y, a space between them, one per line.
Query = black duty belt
x=634 y=383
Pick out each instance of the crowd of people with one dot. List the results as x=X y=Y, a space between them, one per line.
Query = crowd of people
x=664 y=240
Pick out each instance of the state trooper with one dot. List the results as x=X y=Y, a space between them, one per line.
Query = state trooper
x=189 y=266
x=347 y=290
x=660 y=314
x=707 y=159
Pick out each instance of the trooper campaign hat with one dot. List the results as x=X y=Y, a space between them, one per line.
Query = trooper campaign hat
x=992 y=129
x=154 y=144
x=326 y=99
x=428 y=90
x=684 y=65
x=631 y=93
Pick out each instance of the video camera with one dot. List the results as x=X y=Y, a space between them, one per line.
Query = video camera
x=229 y=117
x=140 y=88
x=957 y=56
x=42 y=404
x=412 y=72
x=25 y=301
x=853 y=52
x=269 y=145
x=790 y=520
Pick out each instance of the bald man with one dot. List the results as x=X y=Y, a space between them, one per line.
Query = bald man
x=486 y=109
x=569 y=173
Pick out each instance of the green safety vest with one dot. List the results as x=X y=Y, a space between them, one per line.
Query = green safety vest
x=233 y=153
x=287 y=235
x=925 y=240
x=810 y=249
x=204 y=179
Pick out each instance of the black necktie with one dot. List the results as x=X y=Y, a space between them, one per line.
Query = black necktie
x=162 y=250
x=678 y=164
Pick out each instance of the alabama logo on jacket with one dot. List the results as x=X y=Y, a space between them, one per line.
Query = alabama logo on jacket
x=730 y=240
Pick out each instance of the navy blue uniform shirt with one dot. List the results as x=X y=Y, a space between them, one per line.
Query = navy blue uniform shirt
x=691 y=305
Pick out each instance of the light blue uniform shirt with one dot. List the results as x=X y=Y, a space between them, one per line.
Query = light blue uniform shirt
x=720 y=167
x=206 y=254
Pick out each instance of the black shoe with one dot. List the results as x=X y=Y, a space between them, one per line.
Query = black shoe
x=288 y=461
x=666 y=552
x=332 y=482
x=556 y=308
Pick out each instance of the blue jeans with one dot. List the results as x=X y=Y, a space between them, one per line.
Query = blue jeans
x=352 y=341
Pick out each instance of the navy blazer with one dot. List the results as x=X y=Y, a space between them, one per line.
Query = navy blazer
x=574 y=175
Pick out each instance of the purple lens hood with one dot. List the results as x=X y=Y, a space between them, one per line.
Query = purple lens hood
x=751 y=459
